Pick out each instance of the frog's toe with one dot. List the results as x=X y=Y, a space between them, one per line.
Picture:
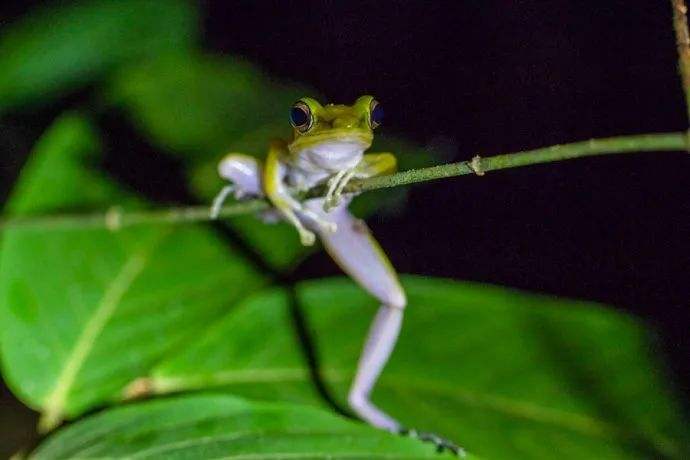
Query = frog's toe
x=307 y=238
x=331 y=202
x=218 y=201
x=442 y=444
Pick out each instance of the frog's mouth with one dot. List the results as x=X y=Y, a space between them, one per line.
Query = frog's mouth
x=332 y=140
x=331 y=152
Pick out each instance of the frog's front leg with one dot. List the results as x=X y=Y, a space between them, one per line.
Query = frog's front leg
x=372 y=164
x=335 y=188
x=279 y=195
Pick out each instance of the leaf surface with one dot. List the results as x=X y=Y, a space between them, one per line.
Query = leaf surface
x=84 y=311
x=198 y=106
x=58 y=49
x=505 y=374
x=217 y=426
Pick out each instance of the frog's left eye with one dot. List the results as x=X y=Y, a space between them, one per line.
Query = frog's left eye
x=375 y=113
x=301 y=117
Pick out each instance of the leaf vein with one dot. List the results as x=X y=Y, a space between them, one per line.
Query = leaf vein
x=55 y=401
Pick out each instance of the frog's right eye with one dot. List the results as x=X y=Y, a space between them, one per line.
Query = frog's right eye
x=301 y=117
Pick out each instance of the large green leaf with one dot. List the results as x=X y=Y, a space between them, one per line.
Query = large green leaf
x=84 y=311
x=503 y=373
x=509 y=374
x=216 y=426
x=57 y=49
x=254 y=348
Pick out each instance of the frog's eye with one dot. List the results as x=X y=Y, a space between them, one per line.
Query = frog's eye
x=375 y=113
x=301 y=117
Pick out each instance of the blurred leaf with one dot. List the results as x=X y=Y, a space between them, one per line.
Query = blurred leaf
x=254 y=347
x=197 y=106
x=503 y=373
x=215 y=426
x=85 y=311
x=57 y=49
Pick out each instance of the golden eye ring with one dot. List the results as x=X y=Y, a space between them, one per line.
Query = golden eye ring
x=301 y=117
x=375 y=114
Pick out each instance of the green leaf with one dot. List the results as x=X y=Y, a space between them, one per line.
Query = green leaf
x=215 y=426
x=505 y=374
x=85 y=311
x=199 y=106
x=254 y=348
x=57 y=49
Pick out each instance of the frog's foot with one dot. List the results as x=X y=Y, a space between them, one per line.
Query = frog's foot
x=442 y=444
x=336 y=185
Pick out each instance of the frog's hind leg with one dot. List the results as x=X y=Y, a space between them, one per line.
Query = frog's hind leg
x=359 y=255
x=356 y=251
x=244 y=174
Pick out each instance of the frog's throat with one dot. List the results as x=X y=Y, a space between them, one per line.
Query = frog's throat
x=331 y=156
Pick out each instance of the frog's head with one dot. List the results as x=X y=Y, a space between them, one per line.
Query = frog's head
x=338 y=129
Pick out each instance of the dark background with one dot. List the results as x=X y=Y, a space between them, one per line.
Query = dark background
x=484 y=78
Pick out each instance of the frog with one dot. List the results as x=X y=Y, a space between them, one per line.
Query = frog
x=328 y=148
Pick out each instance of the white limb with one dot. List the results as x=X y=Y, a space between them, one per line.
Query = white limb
x=307 y=238
x=337 y=193
x=220 y=199
x=333 y=183
x=314 y=218
x=359 y=255
x=343 y=182
x=244 y=173
x=380 y=342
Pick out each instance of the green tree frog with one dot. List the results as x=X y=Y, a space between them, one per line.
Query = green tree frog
x=328 y=147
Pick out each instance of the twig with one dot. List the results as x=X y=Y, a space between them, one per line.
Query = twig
x=680 y=25
x=115 y=218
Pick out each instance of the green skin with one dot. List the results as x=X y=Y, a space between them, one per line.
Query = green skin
x=329 y=146
x=334 y=123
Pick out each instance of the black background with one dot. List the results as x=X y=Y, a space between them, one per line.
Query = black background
x=488 y=77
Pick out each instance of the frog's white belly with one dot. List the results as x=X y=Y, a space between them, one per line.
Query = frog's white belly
x=316 y=163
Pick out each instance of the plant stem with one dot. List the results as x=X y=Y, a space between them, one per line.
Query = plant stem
x=115 y=218
x=680 y=25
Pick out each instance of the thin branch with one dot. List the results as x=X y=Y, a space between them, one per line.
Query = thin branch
x=680 y=25
x=116 y=218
